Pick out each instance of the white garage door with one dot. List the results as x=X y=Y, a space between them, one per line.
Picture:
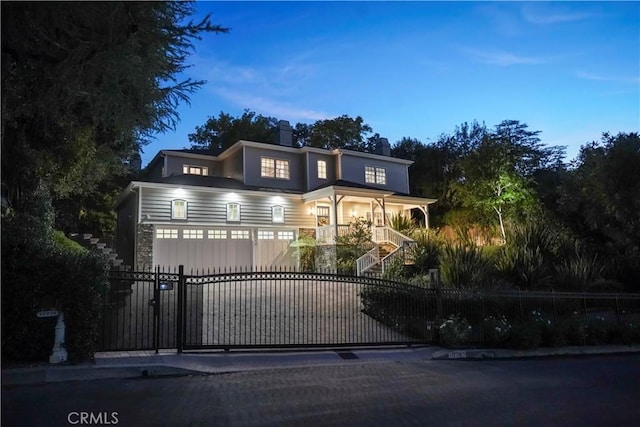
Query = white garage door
x=274 y=248
x=202 y=249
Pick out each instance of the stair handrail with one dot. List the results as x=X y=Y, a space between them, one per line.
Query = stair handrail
x=368 y=260
x=388 y=234
x=403 y=251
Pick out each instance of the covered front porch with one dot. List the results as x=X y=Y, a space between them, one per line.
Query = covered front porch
x=334 y=208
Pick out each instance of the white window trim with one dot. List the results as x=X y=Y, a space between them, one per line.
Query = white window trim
x=240 y=235
x=193 y=234
x=217 y=234
x=173 y=209
x=322 y=169
x=375 y=175
x=286 y=235
x=273 y=170
x=186 y=170
x=166 y=233
x=279 y=219
x=229 y=218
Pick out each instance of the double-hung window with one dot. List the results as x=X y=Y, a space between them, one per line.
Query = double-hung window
x=322 y=169
x=274 y=168
x=375 y=175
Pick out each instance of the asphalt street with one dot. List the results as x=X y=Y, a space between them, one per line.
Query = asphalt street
x=567 y=391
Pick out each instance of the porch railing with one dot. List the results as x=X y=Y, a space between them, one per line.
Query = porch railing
x=327 y=233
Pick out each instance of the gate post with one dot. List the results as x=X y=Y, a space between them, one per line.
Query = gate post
x=180 y=310
x=156 y=310
x=434 y=280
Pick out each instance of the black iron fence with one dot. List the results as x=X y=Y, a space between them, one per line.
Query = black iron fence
x=241 y=309
x=254 y=309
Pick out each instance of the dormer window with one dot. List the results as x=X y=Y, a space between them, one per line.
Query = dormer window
x=274 y=168
x=195 y=170
x=322 y=169
x=374 y=175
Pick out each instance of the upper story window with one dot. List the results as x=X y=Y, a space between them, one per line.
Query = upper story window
x=375 y=175
x=322 y=169
x=178 y=209
x=195 y=170
x=274 y=168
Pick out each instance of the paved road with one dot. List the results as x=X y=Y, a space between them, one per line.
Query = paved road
x=591 y=391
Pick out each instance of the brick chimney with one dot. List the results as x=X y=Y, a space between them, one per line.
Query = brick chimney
x=284 y=134
x=382 y=147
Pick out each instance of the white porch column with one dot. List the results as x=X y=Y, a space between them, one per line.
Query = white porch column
x=384 y=211
x=425 y=210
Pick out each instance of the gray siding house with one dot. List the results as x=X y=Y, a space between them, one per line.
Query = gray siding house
x=244 y=208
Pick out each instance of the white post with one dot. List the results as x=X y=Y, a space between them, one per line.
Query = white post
x=59 y=353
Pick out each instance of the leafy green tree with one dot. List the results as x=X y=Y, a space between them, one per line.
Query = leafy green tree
x=86 y=84
x=341 y=132
x=498 y=170
x=437 y=168
x=599 y=199
x=219 y=133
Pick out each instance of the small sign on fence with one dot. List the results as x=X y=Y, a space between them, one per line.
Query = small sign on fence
x=47 y=313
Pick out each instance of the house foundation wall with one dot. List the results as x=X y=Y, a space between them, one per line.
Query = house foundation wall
x=144 y=247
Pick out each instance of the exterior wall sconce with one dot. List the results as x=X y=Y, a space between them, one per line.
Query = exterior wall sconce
x=311 y=211
x=354 y=213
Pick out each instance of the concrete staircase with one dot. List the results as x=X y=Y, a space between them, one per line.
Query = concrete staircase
x=94 y=244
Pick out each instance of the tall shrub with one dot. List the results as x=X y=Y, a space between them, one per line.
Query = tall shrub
x=463 y=266
x=526 y=261
x=353 y=245
x=39 y=273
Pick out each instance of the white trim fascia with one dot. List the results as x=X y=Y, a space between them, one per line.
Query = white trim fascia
x=411 y=200
x=373 y=156
x=139 y=219
x=161 y=185
x=208 y=157
x=123 y=195
x=343 y=191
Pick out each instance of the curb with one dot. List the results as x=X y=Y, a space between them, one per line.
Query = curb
x=192 y=364
x=24 y=376
x=490 y=353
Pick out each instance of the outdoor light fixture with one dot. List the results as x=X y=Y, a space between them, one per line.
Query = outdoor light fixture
x=311 y=211
x=179 y=192
x=354 y=213
x=166 y=286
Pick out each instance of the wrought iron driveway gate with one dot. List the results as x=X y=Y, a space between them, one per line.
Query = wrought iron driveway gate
x=153 y=310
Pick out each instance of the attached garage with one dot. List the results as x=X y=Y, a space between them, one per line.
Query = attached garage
x=274 y=248
x=203 y=248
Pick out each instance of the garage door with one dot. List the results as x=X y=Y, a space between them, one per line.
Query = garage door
x=202 y=248
x=274 y=248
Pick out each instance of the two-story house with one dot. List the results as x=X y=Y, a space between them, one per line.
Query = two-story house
x=243 y=208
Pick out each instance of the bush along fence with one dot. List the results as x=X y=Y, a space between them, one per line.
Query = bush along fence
x=508 y=318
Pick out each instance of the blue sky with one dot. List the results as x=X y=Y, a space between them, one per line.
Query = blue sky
x=568 y=69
